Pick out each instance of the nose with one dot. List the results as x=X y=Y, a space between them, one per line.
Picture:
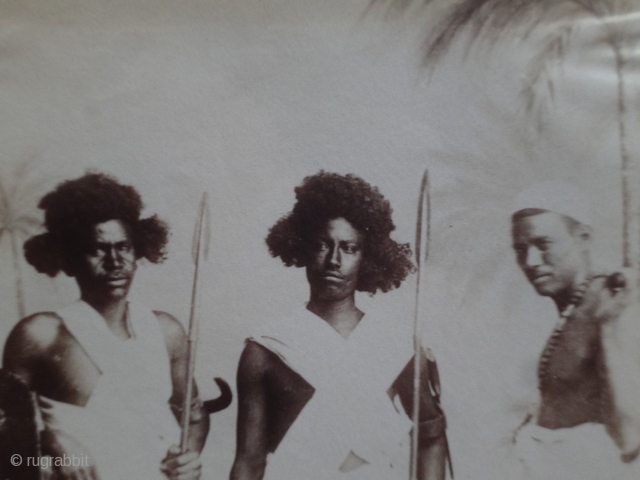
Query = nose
x=533 y=257
x=335 y=257
x=113 y=258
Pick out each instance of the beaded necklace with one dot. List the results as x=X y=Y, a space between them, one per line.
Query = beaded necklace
x=552 y=343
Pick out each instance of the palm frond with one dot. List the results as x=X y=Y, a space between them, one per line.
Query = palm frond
x=29 y=221
x=490 y=20
x=540 y=71
x=399 y=5
x=4 y=200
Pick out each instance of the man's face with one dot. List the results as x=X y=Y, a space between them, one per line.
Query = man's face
x=107 y=265
x=551 y=257
x=334 y=263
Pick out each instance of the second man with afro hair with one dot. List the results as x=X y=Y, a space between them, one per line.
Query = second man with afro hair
x=326 y=391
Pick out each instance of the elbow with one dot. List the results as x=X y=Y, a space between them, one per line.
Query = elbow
x=432 y=429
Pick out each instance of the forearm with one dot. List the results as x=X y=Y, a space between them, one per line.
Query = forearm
x=432 y=458
x=198 y=423
x=245 y=469
x=198 y=434
x=49 y=442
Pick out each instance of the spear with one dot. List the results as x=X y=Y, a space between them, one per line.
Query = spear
x=200 y=251
x=422 y=251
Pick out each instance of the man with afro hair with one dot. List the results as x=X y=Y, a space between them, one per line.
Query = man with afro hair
x=324 y=392
x=107 y=371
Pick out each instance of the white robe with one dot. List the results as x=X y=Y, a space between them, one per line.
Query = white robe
x=583 y=452
x=621 y=345
x=127 y=424
x=350 y=410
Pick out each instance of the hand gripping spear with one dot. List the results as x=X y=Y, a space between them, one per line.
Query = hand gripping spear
x=200 y=252
x=423 y=224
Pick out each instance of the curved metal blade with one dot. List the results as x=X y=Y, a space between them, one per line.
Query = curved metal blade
x=223 y=401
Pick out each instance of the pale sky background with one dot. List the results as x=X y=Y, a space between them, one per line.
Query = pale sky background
x=243 y=98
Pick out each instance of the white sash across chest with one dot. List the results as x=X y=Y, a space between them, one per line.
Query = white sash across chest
x=350 y=410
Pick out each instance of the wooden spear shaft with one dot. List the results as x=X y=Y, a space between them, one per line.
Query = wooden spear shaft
x=200 y=250
x=423 y=222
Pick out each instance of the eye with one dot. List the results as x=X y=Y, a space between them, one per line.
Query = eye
x=543 y=244
x=520 y=249
x=350 y=248
x=124 y=247
x=322 y=246
x=97 y=250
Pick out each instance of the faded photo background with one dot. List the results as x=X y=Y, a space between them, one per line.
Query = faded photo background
x=244 y=98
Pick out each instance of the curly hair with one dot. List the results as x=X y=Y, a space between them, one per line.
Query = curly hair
x=326 y=196
x=77 y=205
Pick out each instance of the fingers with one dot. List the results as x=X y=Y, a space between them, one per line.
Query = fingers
x=173 y=451
x=94 y=473
x=186 y=466
x=612 y=299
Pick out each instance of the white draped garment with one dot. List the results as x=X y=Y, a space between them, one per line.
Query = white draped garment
x=127 y=424
x=583 y=452
x=350 y=410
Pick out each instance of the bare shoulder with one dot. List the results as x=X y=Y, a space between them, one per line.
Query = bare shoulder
x=31 y=338
x=256 y=361
x=170 y=325
x=173 y=332
x=39 y=330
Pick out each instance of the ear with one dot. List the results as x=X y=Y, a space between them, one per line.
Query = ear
x=583 y=232
x=68 y=270
x=68 y=267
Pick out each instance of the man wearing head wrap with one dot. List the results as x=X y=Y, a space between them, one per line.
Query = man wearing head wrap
x=107 y=371
x=586 y=423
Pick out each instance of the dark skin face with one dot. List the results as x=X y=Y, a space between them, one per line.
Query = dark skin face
x=105 y=270
x=45 y=354
x=334 y=264
x=271 y=395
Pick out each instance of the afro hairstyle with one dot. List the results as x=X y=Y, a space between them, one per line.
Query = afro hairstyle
x=326 y=196
x=77 y=205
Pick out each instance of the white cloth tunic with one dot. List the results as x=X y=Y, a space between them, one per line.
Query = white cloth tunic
x=127 y=424
x=350 y=410
x=583 y=452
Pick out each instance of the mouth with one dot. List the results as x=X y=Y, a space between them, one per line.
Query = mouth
x=117 y=281
x=333 y=277
x=539 y=278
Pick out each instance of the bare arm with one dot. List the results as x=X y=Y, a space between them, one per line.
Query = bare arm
x=27 y=345
x=27 y=352
x=251 y=447
x=432 y=446
x=185 y=465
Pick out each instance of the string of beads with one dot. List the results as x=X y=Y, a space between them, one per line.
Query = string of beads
x=554 y=339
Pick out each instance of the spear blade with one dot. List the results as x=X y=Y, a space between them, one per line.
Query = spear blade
x=423 y=225
x=202 y=230
x=199 y=251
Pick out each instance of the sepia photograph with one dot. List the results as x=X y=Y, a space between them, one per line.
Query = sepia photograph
x=285 y=239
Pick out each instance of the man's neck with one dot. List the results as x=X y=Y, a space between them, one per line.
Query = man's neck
x=342 y=315
x=114 y=312
x=564 y=298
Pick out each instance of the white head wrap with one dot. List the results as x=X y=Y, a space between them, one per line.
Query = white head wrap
x=556 y=196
